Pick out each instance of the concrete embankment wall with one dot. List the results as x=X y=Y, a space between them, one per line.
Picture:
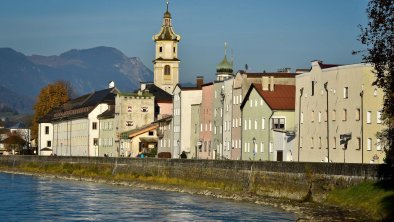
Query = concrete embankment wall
x=277 y=179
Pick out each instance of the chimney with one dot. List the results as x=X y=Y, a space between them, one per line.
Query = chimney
x=143 y=86
x=111 y=84
x=199 y=81
x=265 y=82
x=272 y=83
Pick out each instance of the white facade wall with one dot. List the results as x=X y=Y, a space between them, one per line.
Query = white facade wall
x=45 y=138
x=94 y=132
x=188 y=98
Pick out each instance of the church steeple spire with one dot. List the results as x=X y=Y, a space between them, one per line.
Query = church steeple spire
x=166 y=63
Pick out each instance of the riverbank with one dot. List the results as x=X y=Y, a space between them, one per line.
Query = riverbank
x=305 y=211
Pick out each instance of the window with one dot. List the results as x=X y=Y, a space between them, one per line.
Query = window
x=262 y=147
x=278 y=123
x=378 y=145
x=319 y=116
x=379 y=117
x=129 y=109
x=251 y=103
x=270 y=148
x=150 y=133
x=358 y=143
x=47 y=130
x=344 y=115
x=174 y=49
x=313 y=116
x=144 y=109
x=95 y=141
x=255 y=124
x=369 y=144
x=302 y=118
x=358 y=116
x=161 y=49
x=319 y=142
x=334 y=145
x=49 y=143
x=246 y=125
x=129 y=123
x=313 y=88
x=263 y=123
x=369 y=115
x=334 y=115
x=375 y=92
x=167 y=70
x=94 y=125
x=326 y=116
x=345 y=92
x=250 y=124
x=312 y=141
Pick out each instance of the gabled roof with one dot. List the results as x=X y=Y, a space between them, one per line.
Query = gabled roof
x=18 y=125
x=326 y=66
x=282 y=98
x=110 y=113
x=82 y=106
x=159 y=94
x=139 y=131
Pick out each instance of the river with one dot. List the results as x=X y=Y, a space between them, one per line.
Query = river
x=31 y=198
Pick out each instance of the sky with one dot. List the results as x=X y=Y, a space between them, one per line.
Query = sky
x=265 y=34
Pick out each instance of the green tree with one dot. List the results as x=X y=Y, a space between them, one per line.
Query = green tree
x=378 y=36
x=52 y=96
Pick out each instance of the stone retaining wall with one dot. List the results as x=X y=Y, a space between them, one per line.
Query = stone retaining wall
x=277 y=179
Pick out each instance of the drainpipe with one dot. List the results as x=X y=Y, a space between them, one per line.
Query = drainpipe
x=328 y=124
x=269 y=135
x=362 y=126
x=299 y=123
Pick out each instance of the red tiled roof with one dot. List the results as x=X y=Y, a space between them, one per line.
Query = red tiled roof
x=282 y=98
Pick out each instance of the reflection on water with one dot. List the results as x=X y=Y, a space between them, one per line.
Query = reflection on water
x=28 y=198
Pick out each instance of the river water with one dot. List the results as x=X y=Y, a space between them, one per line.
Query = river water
x=30 y=198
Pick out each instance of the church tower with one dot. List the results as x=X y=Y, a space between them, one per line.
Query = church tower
x=166 y=63
x=224 y=69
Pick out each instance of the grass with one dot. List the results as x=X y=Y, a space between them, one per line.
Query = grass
x=104 y=171
x=375 y=198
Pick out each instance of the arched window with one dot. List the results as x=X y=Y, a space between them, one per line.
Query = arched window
x=167 y=70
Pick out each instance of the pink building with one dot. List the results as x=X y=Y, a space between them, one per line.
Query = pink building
x=206 y=119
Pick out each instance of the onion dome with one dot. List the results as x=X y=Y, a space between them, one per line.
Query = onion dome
x=224 y=67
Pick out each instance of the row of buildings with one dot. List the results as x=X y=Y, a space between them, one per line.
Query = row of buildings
x=328 y=113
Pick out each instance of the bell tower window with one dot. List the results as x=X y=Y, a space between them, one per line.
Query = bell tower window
x=167 y=70
x=161 y=49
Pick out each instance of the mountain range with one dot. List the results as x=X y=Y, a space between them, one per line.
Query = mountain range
x=22 y=77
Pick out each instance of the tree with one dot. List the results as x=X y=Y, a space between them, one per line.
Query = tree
x=378 y=36
x=52 y=96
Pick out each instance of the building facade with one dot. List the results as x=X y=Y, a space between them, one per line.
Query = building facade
x=338 y=114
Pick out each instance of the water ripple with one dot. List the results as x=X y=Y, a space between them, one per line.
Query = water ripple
x=28 y=198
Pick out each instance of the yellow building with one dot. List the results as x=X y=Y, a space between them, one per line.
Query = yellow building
x=338 y=114
x=166 y=63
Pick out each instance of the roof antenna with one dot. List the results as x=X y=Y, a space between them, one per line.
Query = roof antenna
x=225 y=48
x=232 y=56
x=167 y=5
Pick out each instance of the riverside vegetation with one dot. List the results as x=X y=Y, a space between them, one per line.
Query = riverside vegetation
x=365 y=201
